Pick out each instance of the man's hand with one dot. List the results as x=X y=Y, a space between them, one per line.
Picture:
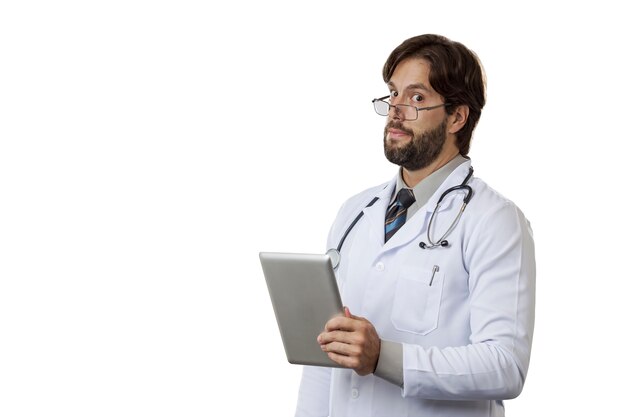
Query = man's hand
x=351 y=341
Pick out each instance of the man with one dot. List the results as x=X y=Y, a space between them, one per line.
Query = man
x=440 y=297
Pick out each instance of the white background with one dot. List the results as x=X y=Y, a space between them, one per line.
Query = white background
x=150 y=149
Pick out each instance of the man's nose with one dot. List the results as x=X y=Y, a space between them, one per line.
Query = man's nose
x=396 y=112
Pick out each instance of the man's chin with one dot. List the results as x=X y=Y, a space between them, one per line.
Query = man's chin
x=397 y=142
x=395 y=156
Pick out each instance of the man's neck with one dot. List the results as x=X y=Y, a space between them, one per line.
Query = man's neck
x=412 y=178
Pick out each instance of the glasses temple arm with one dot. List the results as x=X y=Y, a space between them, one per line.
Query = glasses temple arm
x=380 y=99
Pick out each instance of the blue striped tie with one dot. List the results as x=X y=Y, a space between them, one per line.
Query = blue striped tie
x=396 y=213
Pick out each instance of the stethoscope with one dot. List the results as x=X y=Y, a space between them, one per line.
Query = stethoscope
x=335 y=253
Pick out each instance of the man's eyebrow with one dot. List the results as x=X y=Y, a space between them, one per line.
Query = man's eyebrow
x=415 y=86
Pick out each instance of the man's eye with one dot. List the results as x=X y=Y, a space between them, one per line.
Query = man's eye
x=393 y=93
x=417 y=97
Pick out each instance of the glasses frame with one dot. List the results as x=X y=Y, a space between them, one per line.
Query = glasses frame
x=397 y=106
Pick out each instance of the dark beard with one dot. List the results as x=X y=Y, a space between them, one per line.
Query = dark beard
x=420 y=152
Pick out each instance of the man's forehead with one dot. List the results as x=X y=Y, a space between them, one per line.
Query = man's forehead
x=412 y=86
x=411 y=73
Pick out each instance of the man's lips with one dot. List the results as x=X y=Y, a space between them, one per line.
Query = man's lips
x=396 y=134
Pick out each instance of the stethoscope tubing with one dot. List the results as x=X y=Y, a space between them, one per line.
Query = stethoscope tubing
x=442 y=242
x=335 y=253
x=354 y=222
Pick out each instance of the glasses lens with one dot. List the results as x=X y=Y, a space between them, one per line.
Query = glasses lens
x=381 y=107
x=405 y=111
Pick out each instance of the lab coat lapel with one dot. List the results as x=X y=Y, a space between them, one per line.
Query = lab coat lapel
x=411 y=229
x=375 y=214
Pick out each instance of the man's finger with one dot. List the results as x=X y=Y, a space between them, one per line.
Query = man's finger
x=349 y=314
x=341 y=349
x=339 y=323
x=334 y=336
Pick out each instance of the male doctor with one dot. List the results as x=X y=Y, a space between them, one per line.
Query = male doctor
x=440 y=297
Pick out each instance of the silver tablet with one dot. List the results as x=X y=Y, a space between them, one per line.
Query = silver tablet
x=305 y=296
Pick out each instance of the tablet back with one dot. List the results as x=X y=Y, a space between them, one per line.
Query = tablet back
x=304 y=295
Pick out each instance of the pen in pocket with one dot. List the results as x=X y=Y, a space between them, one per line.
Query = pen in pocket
x=435 y=270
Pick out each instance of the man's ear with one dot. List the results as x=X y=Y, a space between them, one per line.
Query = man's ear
x=458 y=118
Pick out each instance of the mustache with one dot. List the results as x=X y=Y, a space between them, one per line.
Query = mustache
x=398 y=126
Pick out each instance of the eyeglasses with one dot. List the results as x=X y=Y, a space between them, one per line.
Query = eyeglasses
x=383 y=107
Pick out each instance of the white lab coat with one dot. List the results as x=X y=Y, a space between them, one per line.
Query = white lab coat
x=466 y=337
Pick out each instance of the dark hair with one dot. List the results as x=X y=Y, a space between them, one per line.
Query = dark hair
x=455 y=73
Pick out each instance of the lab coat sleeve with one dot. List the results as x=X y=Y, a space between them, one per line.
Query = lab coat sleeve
x=499 y=258
x=314 y=395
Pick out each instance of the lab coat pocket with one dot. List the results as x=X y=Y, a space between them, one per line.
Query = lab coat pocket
x=417 y=300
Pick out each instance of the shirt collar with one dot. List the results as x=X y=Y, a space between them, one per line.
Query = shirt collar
x=427 y=187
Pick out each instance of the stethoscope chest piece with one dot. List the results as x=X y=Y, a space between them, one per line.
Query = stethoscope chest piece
x=335 y=257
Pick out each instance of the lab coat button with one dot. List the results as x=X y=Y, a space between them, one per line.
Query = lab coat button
x=380 y=266
x=355 y=393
